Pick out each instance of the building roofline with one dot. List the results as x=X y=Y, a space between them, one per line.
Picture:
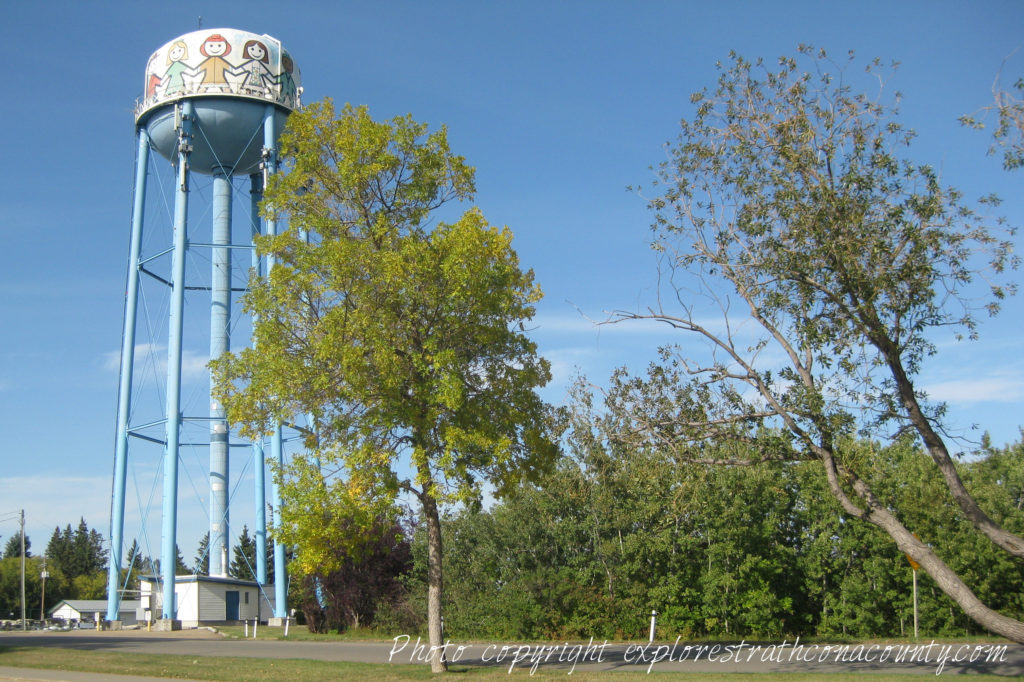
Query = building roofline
x=202 y=579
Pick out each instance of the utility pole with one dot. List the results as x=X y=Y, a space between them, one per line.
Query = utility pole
x=24 y=625
x=42 y=602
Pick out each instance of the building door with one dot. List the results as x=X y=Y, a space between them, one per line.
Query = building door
x=231 y=602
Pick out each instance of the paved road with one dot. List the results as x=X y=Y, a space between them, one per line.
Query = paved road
x=747 y=657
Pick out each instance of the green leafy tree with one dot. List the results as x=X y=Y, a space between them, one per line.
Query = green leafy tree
x=790 y=193
x=719 y=551
x=361 y=582
x=1008 y=135
x=10 y=587
x=90 y=586
x=398 y=341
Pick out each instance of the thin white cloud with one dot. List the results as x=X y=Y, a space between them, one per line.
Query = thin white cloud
x=193 y=364
x=567 y=362
x=992 y=389
x=50 y=501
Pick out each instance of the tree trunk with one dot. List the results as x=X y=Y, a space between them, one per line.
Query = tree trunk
x=945 y=577
x=434 y=581
x=936 y=447
x=947 y=580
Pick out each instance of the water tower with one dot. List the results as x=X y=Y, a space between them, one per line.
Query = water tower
x=215 y=102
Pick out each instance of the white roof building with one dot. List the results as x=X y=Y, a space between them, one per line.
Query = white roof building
x=94 y=610
x=206 y=600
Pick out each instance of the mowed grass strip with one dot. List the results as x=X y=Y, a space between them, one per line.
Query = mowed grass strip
x=235 y=669
x=300 y=633
x=220 y=668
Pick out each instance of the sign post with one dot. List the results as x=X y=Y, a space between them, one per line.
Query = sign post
x=914 y=566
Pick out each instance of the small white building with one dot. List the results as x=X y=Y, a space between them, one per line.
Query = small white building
x=95 y=610
x=206 y=600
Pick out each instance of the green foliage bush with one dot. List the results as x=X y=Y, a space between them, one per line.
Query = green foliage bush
x=745 y=551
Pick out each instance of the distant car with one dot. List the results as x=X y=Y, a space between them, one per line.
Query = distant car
x=86 y=625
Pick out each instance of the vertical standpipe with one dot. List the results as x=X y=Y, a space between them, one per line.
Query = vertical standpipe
x=220 y=336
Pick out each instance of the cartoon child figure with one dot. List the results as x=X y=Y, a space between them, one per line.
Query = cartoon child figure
x=152 y=80
x=257 y=71
x=215 y=67
x=287 y=93
x=173 y=81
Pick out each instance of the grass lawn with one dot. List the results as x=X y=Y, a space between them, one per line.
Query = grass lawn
x=230 y=669
x=301 y=633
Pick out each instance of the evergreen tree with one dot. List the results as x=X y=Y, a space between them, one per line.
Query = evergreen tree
x=88 y=553
x=60 y=551
x=13 y=548
x=201 y=564
x=180 y=568
x=243 y=564
x=79 y=557
x=135 y=565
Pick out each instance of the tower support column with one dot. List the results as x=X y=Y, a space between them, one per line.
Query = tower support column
x=169 y=528
x=276 y=444
x=124 y=389
x=259 y=457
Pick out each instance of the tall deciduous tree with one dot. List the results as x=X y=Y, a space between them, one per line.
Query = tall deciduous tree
x=1008 y=133
x=790 y=192
x=347 y=592
x=397 y=341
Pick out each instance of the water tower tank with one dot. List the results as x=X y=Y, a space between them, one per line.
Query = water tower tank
x=230 y=76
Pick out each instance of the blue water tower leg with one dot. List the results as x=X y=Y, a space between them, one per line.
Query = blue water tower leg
x=259 y=459
x=280 y=569
x=276 y=445
x=168 y=552
x=220 y=339
x=124 y=389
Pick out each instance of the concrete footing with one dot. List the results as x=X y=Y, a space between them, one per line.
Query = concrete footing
x=166 y=625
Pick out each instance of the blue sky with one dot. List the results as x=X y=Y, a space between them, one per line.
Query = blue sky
x=559 y=106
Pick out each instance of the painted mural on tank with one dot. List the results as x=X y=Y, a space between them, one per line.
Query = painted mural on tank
x=222 y=63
